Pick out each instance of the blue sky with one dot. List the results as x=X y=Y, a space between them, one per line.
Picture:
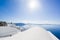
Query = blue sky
x=45 y=11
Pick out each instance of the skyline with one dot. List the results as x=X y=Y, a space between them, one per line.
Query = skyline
x=30 y=11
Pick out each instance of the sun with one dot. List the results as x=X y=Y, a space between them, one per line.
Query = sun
x=33 y=4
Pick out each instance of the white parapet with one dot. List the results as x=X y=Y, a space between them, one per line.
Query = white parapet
x=33 y=33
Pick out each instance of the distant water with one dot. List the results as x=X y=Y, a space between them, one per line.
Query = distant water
x=20 y=24
x=55 y=29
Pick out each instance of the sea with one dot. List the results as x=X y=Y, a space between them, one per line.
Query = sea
x=53 y=28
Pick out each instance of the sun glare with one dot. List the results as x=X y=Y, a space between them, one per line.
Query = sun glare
x=33 y=4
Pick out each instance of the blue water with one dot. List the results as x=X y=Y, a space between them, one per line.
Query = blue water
x=20 y=24
x=55 y=29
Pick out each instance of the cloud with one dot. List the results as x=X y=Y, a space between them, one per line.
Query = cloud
x=37 y=22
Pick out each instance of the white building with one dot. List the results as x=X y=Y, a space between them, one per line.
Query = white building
x=11 y=32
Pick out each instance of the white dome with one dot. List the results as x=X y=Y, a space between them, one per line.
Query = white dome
x=8 y=31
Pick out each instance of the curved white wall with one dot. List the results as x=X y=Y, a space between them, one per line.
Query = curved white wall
x=34 y=33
